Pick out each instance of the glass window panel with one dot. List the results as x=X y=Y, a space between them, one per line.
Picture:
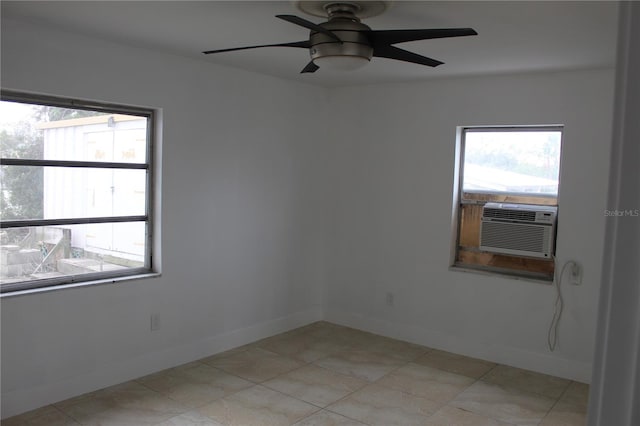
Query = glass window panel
x=33 y=192
x=516 y=162
x=72 y=131
x=53 y=133
x=42 y=252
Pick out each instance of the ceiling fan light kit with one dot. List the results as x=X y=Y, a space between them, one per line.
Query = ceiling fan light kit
x=345 y=43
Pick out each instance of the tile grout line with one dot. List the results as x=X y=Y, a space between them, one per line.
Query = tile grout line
x=557 y=401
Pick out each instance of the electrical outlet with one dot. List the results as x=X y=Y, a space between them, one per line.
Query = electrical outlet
x=576 y=274
x=155 y=322
x=389 y=299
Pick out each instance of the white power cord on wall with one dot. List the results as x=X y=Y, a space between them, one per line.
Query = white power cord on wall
x=552 y=336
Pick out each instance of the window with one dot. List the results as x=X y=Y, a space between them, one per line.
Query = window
x=76 y=196
x=517 y=168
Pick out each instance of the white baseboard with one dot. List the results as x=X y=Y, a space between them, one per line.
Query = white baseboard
x=534 y=361
x=22 y=400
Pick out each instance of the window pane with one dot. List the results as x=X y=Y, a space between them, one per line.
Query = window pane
x=31 y=192
x=53 y=133
x=56 y=251
x=79 y=138
x=19 y=137
x=21 y=192
x=520 y=162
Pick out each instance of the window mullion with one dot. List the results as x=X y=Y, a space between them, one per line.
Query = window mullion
x=72 y=163
x=70 y=221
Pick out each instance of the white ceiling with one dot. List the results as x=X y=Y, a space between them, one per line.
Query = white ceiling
x=514 y=36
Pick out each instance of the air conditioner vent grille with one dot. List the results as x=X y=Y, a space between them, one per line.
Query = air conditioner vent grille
x=518 y=229
x=510 y=214
x=515 y=237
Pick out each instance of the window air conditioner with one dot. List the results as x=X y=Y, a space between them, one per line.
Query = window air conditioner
x=518 y=229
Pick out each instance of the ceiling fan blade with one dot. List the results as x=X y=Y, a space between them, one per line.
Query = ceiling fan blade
x=398 y=54
x=310 y=67
x=387 y=37
x=309 y=25
x=305 y=44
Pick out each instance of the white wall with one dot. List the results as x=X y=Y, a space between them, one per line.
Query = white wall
x=390 y=216
x=266 y=224
x=240 y=257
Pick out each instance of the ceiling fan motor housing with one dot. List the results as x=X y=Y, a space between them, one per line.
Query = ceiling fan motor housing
x=354 y=40
x=350 y=30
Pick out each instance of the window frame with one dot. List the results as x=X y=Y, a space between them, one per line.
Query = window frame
x=149 y=268
x=479 y=198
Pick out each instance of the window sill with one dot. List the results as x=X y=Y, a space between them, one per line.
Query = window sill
x=502 y=273
x=112 y=280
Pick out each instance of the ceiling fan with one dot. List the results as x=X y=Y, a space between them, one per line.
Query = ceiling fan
x=343 y=42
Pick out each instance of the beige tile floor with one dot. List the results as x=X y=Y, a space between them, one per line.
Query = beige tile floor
x=325 y=375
